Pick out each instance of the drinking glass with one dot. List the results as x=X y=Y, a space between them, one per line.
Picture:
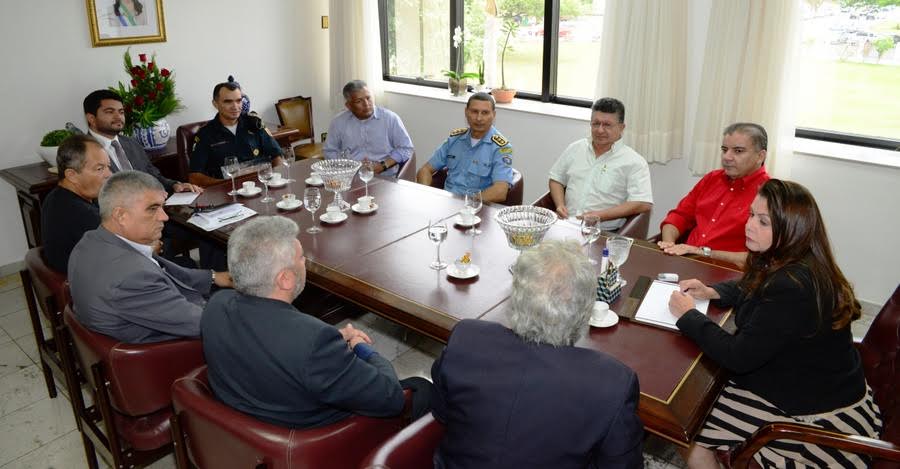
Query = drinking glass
x=473 y=204
x=264 y=173
x=230 y=170
x=590 y=229
x=312 y=199
x=619 y=247
x=437 y=233
x=366 y=173
x=287 y=159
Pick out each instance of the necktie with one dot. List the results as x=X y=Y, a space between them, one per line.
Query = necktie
x=122 y=157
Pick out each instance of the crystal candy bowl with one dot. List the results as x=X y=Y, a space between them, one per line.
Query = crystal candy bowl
x=525 y=225
x=336 y=174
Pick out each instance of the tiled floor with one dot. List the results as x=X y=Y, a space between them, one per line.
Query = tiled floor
x=39 y=432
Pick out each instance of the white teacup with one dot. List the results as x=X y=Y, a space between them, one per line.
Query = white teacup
x=332 y=210
x=289 y=199
x=365 y=202
x=248 y=186
x=276 y=178
x=315 y=178
x=601 y=310
x=467 y=216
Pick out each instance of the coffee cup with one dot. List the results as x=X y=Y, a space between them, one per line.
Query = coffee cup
x=365 y=202
x=467 y=216
x=289 y=199
x=248 y=186
x=332 y=210
x=276 y=178
x=315 y=178
x=601 y=310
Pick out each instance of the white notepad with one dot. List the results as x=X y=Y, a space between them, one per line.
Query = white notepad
x=655 y=307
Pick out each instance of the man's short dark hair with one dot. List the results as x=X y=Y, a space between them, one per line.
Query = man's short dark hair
x=231 y=85
x=756 y=132
x=610 y=106
x=92 y=101
x=72 y=153
x=482 y=96
x=352 y=86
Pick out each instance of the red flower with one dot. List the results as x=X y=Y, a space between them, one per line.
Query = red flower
x=134 y=70
x=159 y=86
x=150 y=66
x=141 y=74
x=151 y=95
x=127 y=109
x=138 y=100
x=133 y=82
x=165 y=72
x=142 y=57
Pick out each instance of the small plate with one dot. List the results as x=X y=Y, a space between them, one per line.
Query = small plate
x=284 y=206
x=325 y=217
x=459 y=221
x=472 y=271
x=356 y=208
x=610 y=320
x=313 y=182
x=242 y=192
x=281 y=183
x=53 y=170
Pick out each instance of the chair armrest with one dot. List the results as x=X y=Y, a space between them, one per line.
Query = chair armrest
x=141 y=375
x=545 y=201
x=412 y=448
x=636 y=226
x=807 y=434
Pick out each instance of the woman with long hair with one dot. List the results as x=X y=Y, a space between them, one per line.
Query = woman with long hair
x=792 y=358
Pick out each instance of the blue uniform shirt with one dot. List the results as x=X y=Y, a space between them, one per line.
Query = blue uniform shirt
x=213 y=143
x=474 y=167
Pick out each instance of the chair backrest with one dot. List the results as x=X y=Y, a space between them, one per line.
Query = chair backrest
x=297 y=112
x=219 y=436
x=408 y=171
x=49 y=286
x=412 y=448
x=513 y=197
x=635 y=226
x=879 y=351
x=140 y=375
x=184 y=140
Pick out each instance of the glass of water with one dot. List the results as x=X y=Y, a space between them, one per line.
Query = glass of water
x=619 y=247
x=437 y=233
x=264 y=173
x=312 y=200
x=590 y=229
x=366 y=173
x=230 y=170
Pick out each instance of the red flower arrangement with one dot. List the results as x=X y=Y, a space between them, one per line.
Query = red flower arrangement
x=151 y=95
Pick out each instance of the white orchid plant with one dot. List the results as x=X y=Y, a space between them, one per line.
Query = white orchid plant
x=459 y=38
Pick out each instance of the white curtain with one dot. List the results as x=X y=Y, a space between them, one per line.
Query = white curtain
x=355 y=47
x=746 y=77
x=642 y=63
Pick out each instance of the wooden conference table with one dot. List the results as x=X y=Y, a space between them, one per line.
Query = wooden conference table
x=380 y=261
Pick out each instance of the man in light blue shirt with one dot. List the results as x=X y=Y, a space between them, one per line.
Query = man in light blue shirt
x=368 y=132
x=478 y=158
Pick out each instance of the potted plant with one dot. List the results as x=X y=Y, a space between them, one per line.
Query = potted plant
x=480 y=85
x=504 y=94
x=457 y=79
x=148 y=100
x=50 y=144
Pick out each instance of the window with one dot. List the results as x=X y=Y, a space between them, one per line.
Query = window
x=551 y=53
x=848 y=71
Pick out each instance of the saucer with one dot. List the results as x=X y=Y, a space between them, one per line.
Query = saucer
x=610 y=320
x=313 y=182
x=356 y=208
x=242 y=192
x=459 y=221
x=341 y=216
x=281 y=183
x=282 y=204
x=472 y=271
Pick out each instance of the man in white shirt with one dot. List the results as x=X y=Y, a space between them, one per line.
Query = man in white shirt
x=601 y=176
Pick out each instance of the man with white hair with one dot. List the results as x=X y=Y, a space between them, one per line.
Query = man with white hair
x=269 y=360
x=120 y=287
x=525 y=396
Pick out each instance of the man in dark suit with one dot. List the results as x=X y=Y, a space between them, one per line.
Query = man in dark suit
x=524 y=396
x=271 y=361
x=120 y=287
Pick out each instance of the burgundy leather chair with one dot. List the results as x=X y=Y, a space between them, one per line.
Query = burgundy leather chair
x=51 y=290
x=209 y=434
x=636 y=226
x=184 y=141
x=131 y=390
x=514 y=196
x=879 y=351
x=408 y=170
x=412 y=448
x=296 y=112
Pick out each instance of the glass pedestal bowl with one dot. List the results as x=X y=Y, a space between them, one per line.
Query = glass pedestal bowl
x=336 y=176
x=525 y=225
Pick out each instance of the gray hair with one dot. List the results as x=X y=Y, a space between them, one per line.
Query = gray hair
x=553 y=293
x=353 y=86
x=72 y=153
x=482 y=96
x=258 y=250
x=122 y=188
x=756 y=132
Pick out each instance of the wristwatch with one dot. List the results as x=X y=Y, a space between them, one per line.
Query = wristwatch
x=384 y=165
x=213 y=272
x=706 y=251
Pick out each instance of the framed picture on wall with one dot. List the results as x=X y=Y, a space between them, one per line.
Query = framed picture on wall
x=115 y=22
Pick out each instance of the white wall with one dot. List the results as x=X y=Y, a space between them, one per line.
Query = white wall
x=275 y=48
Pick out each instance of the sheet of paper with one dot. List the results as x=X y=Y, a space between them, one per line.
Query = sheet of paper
x=655 y=307
x=182 y=198
x=216 y=219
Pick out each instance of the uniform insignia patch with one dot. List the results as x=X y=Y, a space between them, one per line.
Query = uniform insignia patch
x=459 y=131
x=507 y=160
x=506 y=151
x=256 y=152
x=499 y=140
x=196 y=139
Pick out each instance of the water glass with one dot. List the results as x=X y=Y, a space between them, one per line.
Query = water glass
x=366 y=173
x=312 y=200
x=264 y=173
x=230 y=170
x=590 y=229
x=287 y=159
x=619 y=247
x=473 y=204
x=437 y=233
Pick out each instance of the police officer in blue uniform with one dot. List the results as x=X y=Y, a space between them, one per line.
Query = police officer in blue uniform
x=230 y=133
x=478 y=158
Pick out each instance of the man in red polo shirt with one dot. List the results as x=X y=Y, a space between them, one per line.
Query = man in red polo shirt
x=715 y=211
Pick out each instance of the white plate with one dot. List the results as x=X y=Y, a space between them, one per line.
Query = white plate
x=472 y=271
x=256 y=190
x=281 y=183
x=313 y=182
x=284 y=206
x=610 y=320
x=356 y=208
x=459 y=221
x=327 y=217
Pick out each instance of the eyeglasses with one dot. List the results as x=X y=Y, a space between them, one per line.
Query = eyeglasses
x=603 y=125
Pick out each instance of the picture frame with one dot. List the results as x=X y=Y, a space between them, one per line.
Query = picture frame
x=118 y=22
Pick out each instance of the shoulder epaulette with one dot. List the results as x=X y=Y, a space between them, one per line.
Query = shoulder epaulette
x=499 y=140
x=459 y=131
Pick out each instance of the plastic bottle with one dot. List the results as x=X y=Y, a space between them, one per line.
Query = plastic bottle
x=604 y=261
